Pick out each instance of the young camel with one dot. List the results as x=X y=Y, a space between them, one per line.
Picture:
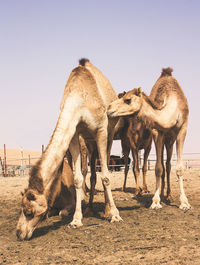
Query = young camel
x=84 y=162
x=166 y=110
x=60 y=200
x=134 y=136
x=83 y=111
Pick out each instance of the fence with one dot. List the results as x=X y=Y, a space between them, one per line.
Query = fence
x=17 y=167
x=20 y=167
x=190 y=161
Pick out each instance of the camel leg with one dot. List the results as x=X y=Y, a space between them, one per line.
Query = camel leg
x=125 y=171
x=162 y=176
x=179 y=168
x=125 y=151
x=158 y=169
x=69 y=159
x=144 y=169
x=84 y=169
x=111 y=209
x=78 y=180
x=169 y=148
x=93 y=180
x=136 y=170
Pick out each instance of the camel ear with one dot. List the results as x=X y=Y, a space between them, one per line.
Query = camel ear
x=23 y=192
x=139 y=91
x=120 y=95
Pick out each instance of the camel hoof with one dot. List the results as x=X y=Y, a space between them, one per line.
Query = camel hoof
x=75 y=224
x=185 y=207
x=145 y=192
x=156 y=205
x=116 y=218
x=138 y=192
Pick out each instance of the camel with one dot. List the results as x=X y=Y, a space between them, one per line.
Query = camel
x=82 y=111
x=134 y=136
x=166 y=111
x=35 y=207
x=84 y=162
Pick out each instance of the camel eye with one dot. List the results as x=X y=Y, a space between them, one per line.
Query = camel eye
x=127 y=101
x=29 y=215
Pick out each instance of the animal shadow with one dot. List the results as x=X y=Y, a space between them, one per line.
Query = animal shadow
x=97 y=211
x=145 y=200
x=128 y=190
x=43 y=230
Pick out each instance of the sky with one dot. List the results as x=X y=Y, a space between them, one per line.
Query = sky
x=130 y=41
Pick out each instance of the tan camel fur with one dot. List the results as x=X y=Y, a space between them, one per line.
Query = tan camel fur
x=165 y=110
x=134 y=136
x=83 y=111
x=59 y=199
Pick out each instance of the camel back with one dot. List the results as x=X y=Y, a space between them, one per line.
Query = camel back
x=167 y=86
x=104 y=86
x=91 y=85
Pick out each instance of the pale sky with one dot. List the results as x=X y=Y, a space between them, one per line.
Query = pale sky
x=129 y=41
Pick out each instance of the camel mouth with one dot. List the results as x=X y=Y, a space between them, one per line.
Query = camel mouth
x=22 y=237
x=25 y=231
x=110 y=114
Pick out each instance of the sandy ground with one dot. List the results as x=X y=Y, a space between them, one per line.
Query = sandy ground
x=165 y=236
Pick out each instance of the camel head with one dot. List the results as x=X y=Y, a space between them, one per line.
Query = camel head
x=127 y=104
x=33 y=211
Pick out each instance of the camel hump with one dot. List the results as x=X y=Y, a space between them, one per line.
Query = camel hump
x=167 y=71
x=83 y=61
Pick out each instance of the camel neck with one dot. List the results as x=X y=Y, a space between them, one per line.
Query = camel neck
x=59 y=142
x=161 y=119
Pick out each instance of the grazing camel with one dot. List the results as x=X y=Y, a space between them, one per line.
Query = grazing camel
x=165 y=110
x=134 y=136
x=58 y=199
x=83 y=111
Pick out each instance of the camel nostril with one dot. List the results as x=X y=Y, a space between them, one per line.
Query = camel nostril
x=18 y=233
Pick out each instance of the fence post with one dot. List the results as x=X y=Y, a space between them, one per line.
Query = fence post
x=2 y=168
x=29 y=161
x=22 y=168
x=148 y=164
x=5 y=163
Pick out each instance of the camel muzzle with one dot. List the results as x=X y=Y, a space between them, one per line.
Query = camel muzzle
x=22 y=237
x=110 y=112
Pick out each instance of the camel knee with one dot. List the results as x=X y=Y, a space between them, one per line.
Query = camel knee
x=158 y=171
x=78 y=182
x=179 y=170
x=105 y=181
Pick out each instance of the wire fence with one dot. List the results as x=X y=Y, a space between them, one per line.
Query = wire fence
x=20 y=167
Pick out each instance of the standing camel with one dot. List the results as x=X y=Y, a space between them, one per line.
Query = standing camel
x=83 y=111
x=134 y=136
x=166 y=110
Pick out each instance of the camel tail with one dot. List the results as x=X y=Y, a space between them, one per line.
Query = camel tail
x=167 y=71
x=83 y=61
